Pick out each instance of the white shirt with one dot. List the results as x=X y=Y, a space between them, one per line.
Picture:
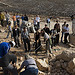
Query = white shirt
x=66 y=28
x=38 y=19
x=46 y=36
x=48 y=20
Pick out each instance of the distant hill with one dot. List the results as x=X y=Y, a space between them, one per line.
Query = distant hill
x=42 y=7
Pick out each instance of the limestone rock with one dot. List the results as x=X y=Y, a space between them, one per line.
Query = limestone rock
x=71 y=64
x=42 y=65
x=66 y=55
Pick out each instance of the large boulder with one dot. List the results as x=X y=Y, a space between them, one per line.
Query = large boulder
x=42 y=65
x=66 y=55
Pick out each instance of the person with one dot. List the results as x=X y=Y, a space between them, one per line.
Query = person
x=38 y=21
x=35 y=23
x=57 y=28
x=37 y=40
x=53 y=36
x=18 y=19
x=7 y=16
x=14 y=19
x=46 y=29
x=16 y=36
x=66 y=34
x=63 y=27
x=25 y=17
x=30 y=66
x=26 y=39
x=48 y=41
x=22 y=17
x=48 y=21
x=6 y=58
x=1 y=18
x=9 y=30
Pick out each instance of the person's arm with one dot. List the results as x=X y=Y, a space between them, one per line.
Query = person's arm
x=22 y=66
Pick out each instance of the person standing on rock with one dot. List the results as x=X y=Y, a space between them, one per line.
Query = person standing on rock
x=30 y=66
x=38 y=21
x=9 y=30
x=16 y=36
x=48 y=41
x=57 y=28
x=1 y=18
x=6 y=58
x=66 y=34
x=63 y=27
x=26 y=17
x=7 y=16
x=35 y=23
x=14 y=19
x=48 y=21
x=26 y=39
x=18 y=19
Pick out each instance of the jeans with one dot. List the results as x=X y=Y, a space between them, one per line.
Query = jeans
x=30 y=71
x=9 y=33
x=62 y=36
x=10 y=69
x=18 y=23
x=26 y=42
x=14 y=23
x=65 y=38
x=16 y=39
x=48 y=46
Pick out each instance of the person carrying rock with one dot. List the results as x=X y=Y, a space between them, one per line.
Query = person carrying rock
x=30 y=66
x=7 y=60
x=48 y=41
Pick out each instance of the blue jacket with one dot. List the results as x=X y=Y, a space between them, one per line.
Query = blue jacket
x=4 y=48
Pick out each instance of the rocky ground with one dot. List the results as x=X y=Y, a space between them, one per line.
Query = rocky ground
x=42 y=7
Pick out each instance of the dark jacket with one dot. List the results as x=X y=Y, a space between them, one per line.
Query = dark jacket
x=15 y=32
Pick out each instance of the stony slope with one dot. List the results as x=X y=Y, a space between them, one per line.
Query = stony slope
x=43 y=7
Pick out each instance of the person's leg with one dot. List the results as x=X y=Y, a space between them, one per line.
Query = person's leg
x=65 y=38
x=8 y=34
x=25 y=46
x=7 y=20
x=67 y=34
x=28 y=45
x=62 y=37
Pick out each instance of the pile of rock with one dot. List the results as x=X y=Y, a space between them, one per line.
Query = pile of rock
x=63 y=64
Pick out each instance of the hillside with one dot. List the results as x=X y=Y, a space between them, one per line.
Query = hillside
x=42 y=7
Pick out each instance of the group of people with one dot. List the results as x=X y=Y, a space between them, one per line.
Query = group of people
x=51 y=38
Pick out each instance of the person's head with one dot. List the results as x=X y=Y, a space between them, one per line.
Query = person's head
x=57 y=21
x=67 y=25
x=16 y=26
x=27 y=56
x=24 y=29
x=45 y=25
x=12 y=43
